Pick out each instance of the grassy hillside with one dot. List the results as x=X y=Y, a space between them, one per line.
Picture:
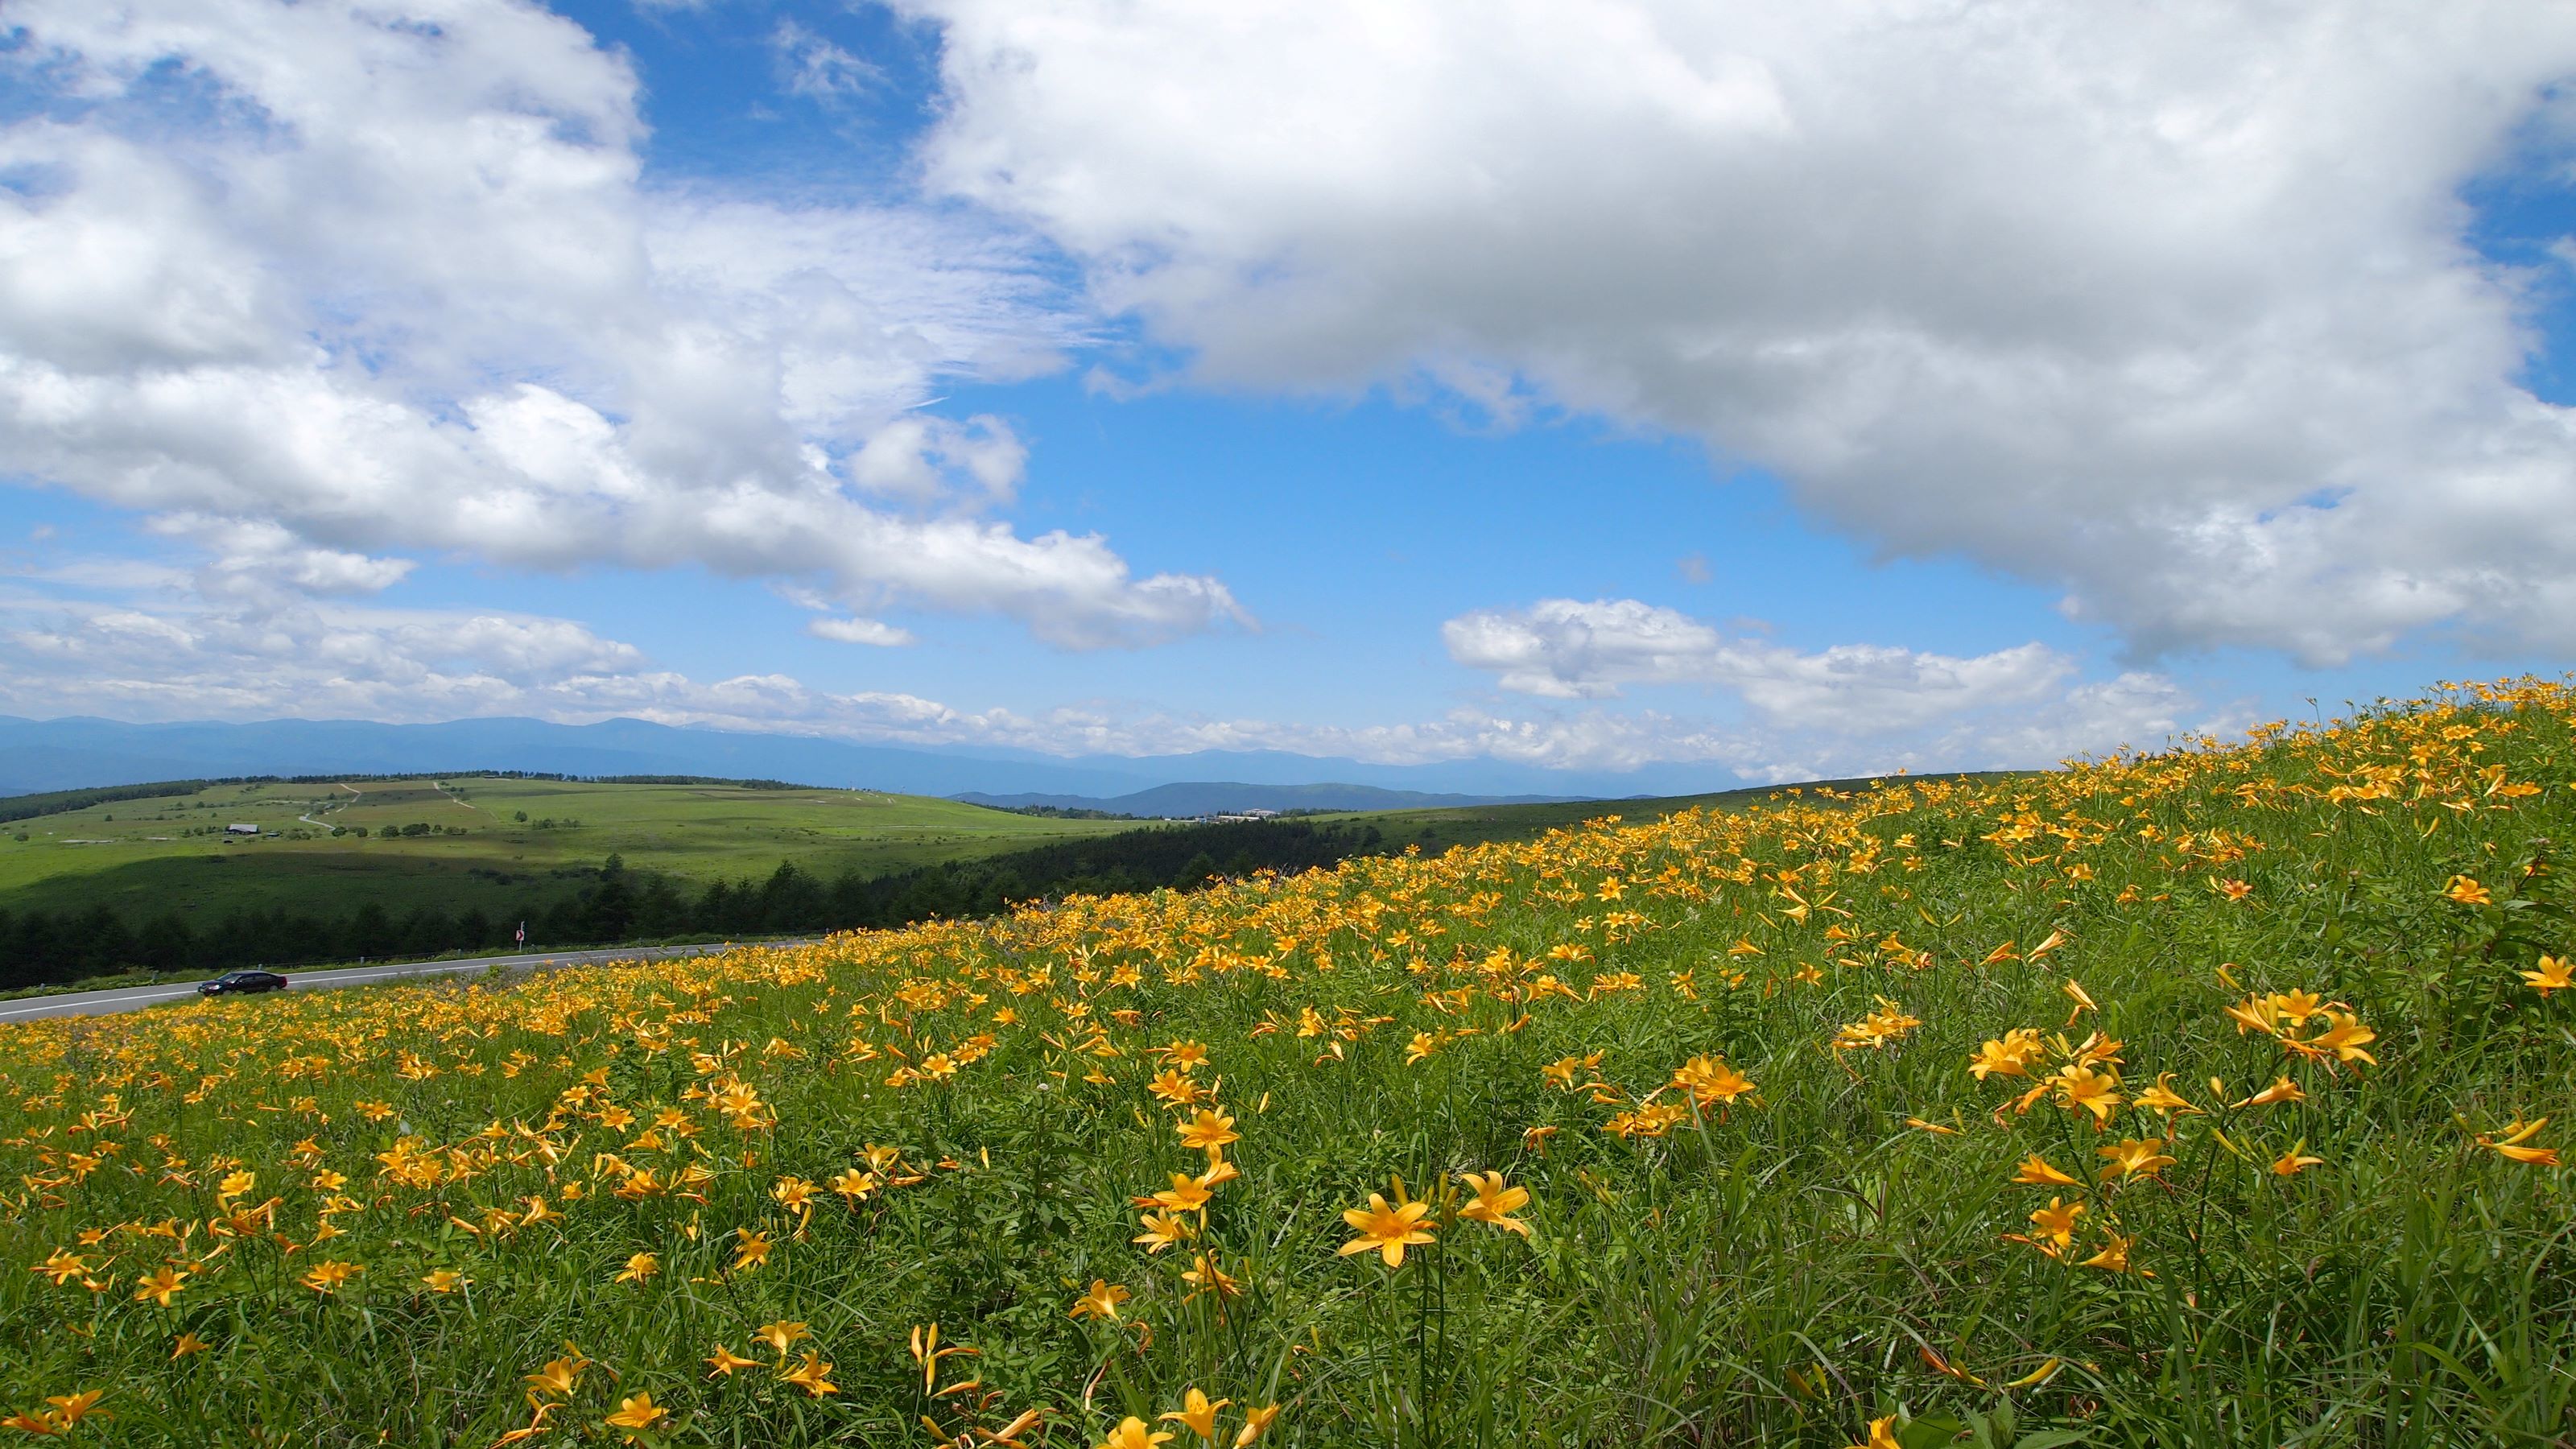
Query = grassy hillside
x=2208 y=1099
x=258 y=907
x=170 y=852
x=1436 y=830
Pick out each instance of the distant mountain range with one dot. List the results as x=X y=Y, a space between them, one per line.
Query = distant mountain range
x=1218 y=797
x=66 y=754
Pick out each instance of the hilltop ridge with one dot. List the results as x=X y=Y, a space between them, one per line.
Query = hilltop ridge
x=1188 y=799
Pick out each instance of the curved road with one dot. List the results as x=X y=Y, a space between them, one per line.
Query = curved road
x=131 y=998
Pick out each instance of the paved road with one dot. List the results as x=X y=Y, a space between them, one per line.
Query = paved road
x=131 y=998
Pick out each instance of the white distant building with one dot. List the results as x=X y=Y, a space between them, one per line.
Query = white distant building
x=241 y=830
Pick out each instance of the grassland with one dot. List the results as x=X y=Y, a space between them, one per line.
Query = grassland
x=2214 y=1098
x=1446 y=828
x=164 y=853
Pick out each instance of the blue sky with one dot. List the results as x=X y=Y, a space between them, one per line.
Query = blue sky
x=1581 y=387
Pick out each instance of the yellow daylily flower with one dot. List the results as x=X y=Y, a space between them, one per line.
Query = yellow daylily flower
x=1494 y=1202
x=636 y=1414
x=1881 y=1435
x=2135 y=1157
x=1388 y=1230
x=1132 y=1433
x=2036 y=1171
x=1197 y=1413
x=1101 y=1301
x=159 y=1286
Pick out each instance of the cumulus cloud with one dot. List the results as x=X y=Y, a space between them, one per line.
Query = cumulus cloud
x=924 y=460
x=293 y=658
x=323 y=283
x=2137 y=711
x=260 y=558
x=1567 y=648
x=2173 y=307
x=1835 y=710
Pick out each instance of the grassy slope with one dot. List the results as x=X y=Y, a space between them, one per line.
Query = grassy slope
x=127 y=854
x=1837 y=1239
x=700 y=832
x=1447 y=828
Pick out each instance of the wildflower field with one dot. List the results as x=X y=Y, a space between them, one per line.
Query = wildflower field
x=2213 y=1097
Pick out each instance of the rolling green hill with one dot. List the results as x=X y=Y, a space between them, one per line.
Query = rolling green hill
x=480 y=841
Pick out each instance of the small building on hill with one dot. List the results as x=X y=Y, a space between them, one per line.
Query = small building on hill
x=241 y=830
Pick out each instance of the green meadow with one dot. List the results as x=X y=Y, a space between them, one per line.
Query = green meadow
x=491 y=841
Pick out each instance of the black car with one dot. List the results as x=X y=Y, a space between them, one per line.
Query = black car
x=232 y=981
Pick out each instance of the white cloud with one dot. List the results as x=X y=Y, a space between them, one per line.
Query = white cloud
x=924 y=460
x=2137 y=710
x=390 y=283
x=860 y=631
x=1567 y=649
x=222 y=659
x=813 y=66
x=1846 y=709
x=2171 y=306
x=264 y=557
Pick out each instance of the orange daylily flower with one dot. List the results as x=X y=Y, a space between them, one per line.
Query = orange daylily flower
x=1494 y=1202
x=1197 y=1413
x=1101 y=1301
x=636 y=1414
x=1388 y=1230
x=2036 y=1171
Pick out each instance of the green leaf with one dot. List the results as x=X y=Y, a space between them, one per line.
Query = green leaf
x=1930 y=1433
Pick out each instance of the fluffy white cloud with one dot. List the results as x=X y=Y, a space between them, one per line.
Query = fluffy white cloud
x=1567 y=648
x=1850 y=708
x=923 y=460
x=301 y=659
x=259 y=559
x=2172 y=306
x=320 y=282
x=2137 y=710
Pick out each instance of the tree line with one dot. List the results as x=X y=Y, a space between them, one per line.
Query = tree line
x=619 y=906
